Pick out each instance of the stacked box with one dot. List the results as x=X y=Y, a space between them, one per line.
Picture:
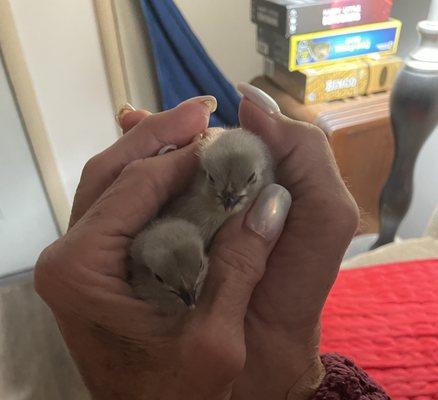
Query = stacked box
x=338 y=81
x=323 y=48
x=290 y=17
x=383 y=72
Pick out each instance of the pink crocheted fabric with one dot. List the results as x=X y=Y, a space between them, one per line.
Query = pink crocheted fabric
x=385 y=319
x=344 y=381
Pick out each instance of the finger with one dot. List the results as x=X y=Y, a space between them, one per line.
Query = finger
x=213 y=131
x=131 y=119
x=177 y=126
x=280 y=133
x=135 y=116
x=239 y=255
x=142 y=188
x=308 y=169
x=323 y=209
x=301 y=148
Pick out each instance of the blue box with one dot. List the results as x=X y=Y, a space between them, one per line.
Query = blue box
x=328 y=47
x=316 y=49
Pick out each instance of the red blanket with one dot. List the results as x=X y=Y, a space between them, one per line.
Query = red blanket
x=385 y=318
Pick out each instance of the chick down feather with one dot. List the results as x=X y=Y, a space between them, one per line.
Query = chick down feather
x=168 y=264
x=235 y=166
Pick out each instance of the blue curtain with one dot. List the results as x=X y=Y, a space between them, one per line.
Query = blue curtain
x=183 y=67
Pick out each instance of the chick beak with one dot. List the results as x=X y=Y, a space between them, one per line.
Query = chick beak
x=188 y=298
x=229 y=201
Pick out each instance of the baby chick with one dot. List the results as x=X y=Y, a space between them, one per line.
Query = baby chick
x=168 y=264
x=235 y=166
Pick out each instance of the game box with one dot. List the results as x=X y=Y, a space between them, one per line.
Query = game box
x=338 y=81
x=323 y=48
x=290 y=17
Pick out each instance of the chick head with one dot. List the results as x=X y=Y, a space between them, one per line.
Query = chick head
x=237 y=165
x=175 y=256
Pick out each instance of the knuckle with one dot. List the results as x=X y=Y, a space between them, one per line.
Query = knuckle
x=241 y=260
x=218 y=349
x=134 y=167
x=143 y=169
x=150 y=185
x=352 y=215
x=56 y=273
x=92 y=165
x=310 y=131
x=316 y=136
x=316 y=131
x=343 y=215
x=44 y=272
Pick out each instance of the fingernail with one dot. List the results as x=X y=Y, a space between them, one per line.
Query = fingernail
x=167 y=149
x=259 y=98
x=123 y=110
x=209 y=101
x=269 y=212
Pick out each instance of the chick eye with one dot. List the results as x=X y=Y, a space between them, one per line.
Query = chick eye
x=210 y=178
x=252 y=178
x=158 y=278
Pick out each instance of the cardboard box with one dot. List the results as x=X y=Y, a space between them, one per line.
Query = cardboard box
x=290 y=17
x=383 y=72
x=324 y=48
x=338 y=81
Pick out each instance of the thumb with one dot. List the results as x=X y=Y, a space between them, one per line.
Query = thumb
x=239 y=254
x=128 y=117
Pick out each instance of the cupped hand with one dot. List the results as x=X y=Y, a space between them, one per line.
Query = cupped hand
x=123 y=347
x=282 y=323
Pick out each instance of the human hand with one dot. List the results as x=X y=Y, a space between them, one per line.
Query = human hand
x=122 y=346
x=282 y=323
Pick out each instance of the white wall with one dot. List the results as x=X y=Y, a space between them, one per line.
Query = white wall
x=26 y=222
x=61 y=45
x=434 y=10
x=138 y=58
x=225 y=29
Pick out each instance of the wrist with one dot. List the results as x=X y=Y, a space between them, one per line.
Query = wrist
x=306 y=385
x=281 y=363
x=109 y=368
x=113 y=368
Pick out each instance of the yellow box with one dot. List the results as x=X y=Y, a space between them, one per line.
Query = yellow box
x=382 y=73
x=346 y=44
x=337 y=81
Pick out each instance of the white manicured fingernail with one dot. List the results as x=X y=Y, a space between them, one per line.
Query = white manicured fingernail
x=122 y=111
x=167 y=149
x=259 y=98
x=269 y=212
